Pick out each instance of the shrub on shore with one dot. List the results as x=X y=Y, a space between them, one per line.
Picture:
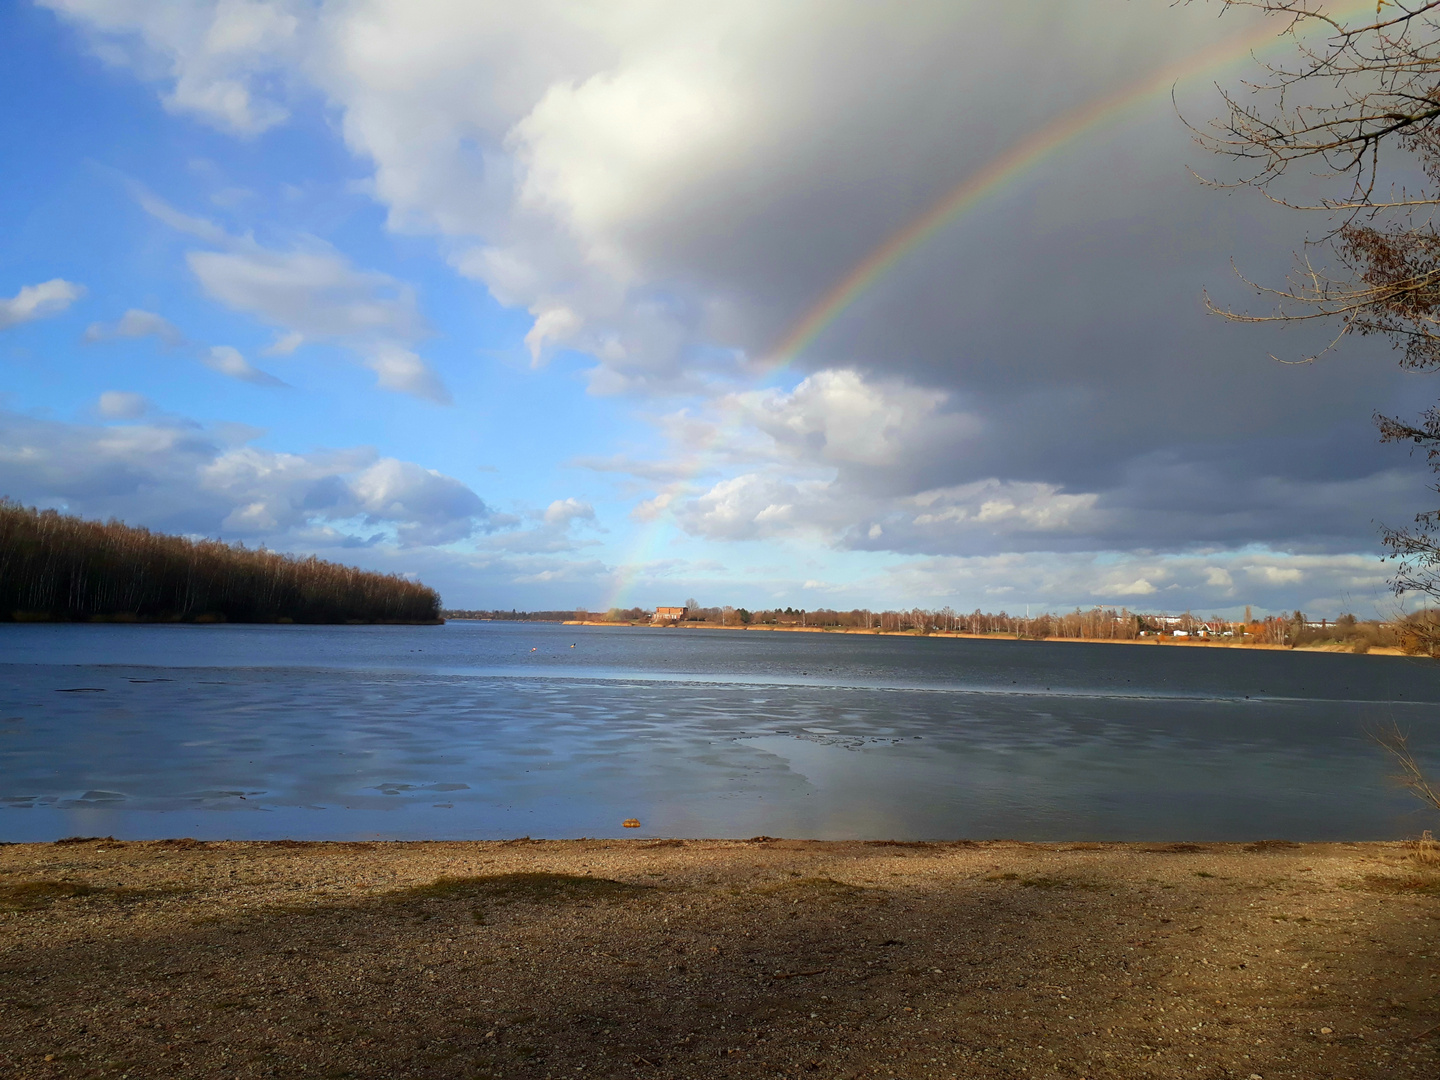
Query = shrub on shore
x=55 y=566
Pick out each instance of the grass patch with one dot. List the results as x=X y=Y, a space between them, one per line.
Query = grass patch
x=29 y=895
x=919 y=844
x=1272 y=845
x=526 y=888
x=1408 y=886
x=1043 y=882
x=1425 y=850
x=816 y=888
x=1056 y=883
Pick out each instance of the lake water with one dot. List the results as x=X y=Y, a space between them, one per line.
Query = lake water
x=497 y=730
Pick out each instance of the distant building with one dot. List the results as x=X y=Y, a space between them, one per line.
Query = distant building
x=668 y=614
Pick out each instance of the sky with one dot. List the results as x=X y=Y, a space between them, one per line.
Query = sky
x=558 y=305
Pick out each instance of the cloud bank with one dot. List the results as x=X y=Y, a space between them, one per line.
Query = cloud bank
x=179 y=477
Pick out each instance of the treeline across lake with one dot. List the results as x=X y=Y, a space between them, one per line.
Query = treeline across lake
x=57 y=567
x=1096 y=624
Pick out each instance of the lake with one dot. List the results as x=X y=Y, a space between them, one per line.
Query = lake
x=498 y=730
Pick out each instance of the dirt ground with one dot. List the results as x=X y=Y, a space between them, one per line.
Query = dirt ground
x=770 y=958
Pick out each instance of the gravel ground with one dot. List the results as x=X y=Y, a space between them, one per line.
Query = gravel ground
x=708 y=958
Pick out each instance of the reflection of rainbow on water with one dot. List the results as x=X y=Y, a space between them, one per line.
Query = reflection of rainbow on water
x=951 y=207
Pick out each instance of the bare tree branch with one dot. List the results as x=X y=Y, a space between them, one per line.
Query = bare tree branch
x=1409 y=774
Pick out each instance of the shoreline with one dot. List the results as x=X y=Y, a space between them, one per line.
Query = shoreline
x=1378 y=650
x=661 y=958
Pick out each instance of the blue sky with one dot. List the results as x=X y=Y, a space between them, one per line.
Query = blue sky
x=486 y=295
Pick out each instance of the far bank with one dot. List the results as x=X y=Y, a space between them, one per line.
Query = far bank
x=1179 y=643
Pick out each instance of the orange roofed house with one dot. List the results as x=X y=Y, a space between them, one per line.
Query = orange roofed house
x=668 y=614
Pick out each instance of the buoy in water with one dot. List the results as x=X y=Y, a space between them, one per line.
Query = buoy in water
x=631 y=823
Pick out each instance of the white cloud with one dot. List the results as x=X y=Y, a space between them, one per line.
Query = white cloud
x=843 y=418
x=38 y=301
x=122 y=405
x=845 y=457
x=552 y=324
x=214 y=57
x=224 y=359
x=432 y=507
x=991 y=513
x=136 y=324
x=1138 y=587
x=564 y=512
x=160 y=210
x=852 y=459
x=228 y=361
x=313 y=291
x=401 y=370
x=1218 y=577
x=285 y=344
x=999 y=504
x=652 y=509
x=752 y=506
x=554 y=530
x=309 y=293
x=1276 y=575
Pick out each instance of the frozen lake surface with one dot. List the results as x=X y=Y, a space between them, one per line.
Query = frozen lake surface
x=496 y=730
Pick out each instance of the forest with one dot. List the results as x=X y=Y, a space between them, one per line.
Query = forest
x=57 y=567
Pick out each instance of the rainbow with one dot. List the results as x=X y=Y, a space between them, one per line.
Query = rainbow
x=997 y=173
x=991 y=177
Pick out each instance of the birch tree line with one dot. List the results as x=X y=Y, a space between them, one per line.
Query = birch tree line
x=57 y=567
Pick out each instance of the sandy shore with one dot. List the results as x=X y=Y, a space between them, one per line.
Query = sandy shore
x=1167 y=643
x=711 y=958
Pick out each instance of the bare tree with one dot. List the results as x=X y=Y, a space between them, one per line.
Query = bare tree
x=1409 y=775
x=1358 y=107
